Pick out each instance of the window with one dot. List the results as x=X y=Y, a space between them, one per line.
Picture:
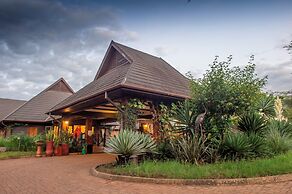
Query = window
x=32 y=131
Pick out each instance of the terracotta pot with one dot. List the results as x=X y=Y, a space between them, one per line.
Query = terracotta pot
x=65 y=149
x=39 y=148
x=58 y=150
x=49 y=148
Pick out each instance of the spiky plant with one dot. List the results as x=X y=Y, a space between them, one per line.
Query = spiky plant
x=258 y=145
x=277 y=142
x=190 y=150
x=251 y=122
x=285 y=128
x=236 y=146
x=266 y=106
x=184 y=116
x=129 y=143
x=50 y=135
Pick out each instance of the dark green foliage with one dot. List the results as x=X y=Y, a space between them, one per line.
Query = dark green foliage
x=236 y=146
x=19 y=143
x=131 y=113
x=226 y=91
x=258 y=145
x=184 y=116
x=164 y=150
x=2 y=142
x=251 y=122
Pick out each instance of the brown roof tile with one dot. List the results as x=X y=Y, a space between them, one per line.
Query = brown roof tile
x=36 y=108
x=126 y=67
x=7 y=106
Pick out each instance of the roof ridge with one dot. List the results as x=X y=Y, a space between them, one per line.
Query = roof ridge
x=116 y=47
x=119 y=44
x=56 y=82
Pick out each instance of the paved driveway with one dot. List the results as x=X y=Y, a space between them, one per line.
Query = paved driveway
x=70 y=174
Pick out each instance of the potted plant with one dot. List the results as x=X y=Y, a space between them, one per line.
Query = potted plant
x=50 y=143
x=57 y=146
x=39 y=140
x=65 y=137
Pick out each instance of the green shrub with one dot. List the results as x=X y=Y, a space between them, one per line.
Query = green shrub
x=285 y=128
x=19 y=143
x=258 y=145
x=2 y=142
x=190 y=150
x=164 y=150
x=236 y=146
x=278 y=142
x=13 y=143
x=128 y=143
x=251 y=122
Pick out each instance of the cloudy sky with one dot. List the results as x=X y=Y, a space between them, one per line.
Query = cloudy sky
x=43 y=40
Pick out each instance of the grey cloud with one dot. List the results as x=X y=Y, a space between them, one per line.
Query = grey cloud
x=42 y=40
x=279 y=75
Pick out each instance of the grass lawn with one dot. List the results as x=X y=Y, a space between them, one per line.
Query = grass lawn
x=7 y=155
x=171 y=169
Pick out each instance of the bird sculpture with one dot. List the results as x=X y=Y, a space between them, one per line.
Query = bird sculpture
x=199 y=122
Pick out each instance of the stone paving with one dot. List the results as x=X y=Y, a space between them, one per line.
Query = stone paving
x=70 y=174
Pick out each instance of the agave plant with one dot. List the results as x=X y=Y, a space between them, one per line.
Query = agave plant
x=251 y=122
x=258 y=145
x=236 y=146
x=129 y=143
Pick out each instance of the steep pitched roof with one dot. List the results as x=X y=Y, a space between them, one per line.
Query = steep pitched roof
x=7 y=106
x=36 y=108
x=123 y=66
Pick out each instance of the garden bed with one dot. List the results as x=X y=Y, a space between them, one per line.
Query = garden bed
x=16 y=154
x=281 y=164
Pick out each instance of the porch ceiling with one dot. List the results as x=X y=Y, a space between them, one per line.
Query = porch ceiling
x=99 y=104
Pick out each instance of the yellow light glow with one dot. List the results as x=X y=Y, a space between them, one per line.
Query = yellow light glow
x=83 y=128
x=66 y=122
x=70 y=130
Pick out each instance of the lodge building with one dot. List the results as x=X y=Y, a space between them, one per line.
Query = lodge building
x=125 y=73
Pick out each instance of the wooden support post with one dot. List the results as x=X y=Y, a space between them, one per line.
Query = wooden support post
x=88 y=126
x=156 y=124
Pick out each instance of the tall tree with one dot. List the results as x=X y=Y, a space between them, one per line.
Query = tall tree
x=226 y=91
